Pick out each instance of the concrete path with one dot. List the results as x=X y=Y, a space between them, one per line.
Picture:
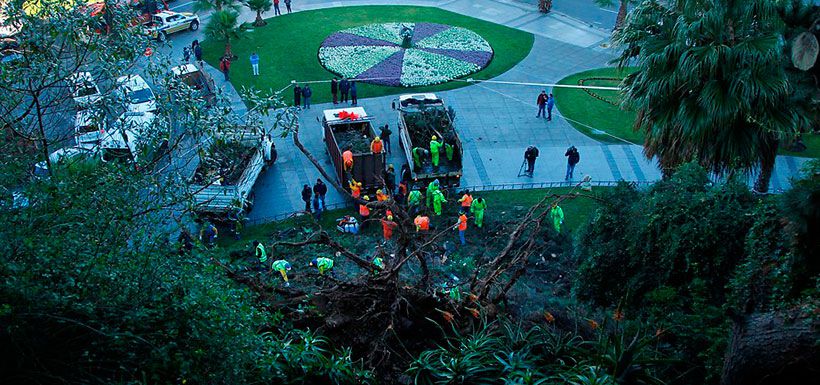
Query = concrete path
x=496 y=122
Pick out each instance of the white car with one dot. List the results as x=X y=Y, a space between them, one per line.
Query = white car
x=136 y=94
x=122 y=140
x=167 y=22
x=64 y=156
x=84 y=90
x=89 y=126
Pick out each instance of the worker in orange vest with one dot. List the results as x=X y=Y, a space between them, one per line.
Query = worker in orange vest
x=381 y=196
x=462 y=227
x=364 y=211
x=376 y=146
x=355 y=188
x=388 y=226
x=347 y=157
x=466 y=201
x=422 y=223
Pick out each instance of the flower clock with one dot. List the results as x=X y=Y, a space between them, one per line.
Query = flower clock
x=405 y=54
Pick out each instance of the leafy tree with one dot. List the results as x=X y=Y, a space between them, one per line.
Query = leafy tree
x=622 y=8
x=711 y=85
x=259 y=6
x=224 y=26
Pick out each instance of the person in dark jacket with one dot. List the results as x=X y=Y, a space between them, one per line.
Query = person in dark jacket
x=306 y=195
x=530 y=155
x=354 y=98
x=197 y=51
x=344 y=87
x=390 y=179
x=297 y=96
x=385 y=135
x=573 y=157
x=405 y=173
x=306 y=94
x=320 y=189
x=542 y=104
x=334 y=90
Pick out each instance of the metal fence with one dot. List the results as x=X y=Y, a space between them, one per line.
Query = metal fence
x=476 y=188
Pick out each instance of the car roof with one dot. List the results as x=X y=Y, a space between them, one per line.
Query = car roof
x=133 y=82
x=184 y=69
x=165 y=14
x=86 y=116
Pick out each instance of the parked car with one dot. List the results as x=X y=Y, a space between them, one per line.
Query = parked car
x=89 y=126
x=136 y=94
x=168 y=22
x=63 y=157
x=122 y=141
x=84 y=90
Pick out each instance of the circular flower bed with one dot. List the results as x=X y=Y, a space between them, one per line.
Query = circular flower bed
x=405 y=54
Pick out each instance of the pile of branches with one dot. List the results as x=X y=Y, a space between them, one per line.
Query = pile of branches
x=224 y=161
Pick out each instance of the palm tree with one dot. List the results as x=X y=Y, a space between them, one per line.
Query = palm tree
x=260 y=6
x=224 y=26
x=711 y=85
x=622 y=7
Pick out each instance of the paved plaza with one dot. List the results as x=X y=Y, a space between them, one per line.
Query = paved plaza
x=495 y=121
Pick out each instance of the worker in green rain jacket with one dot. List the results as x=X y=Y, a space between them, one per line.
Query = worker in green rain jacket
x=557 y=215
x=325 y=265
x=418 y=155
x=432 y=187
x=449 y=149
x=477 y=208
x=435 y=150
x=282 y=266
x=438 y=199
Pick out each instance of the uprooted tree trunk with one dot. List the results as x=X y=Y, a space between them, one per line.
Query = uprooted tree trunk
x=772 y=348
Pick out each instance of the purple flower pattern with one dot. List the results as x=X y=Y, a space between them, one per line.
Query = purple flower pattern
x=388 y=72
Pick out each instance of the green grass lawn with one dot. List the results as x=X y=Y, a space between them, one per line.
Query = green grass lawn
x=593 y=116
x=288 y=47
x=812 y=142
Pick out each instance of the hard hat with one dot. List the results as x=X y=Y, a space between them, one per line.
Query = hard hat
x=367 y=198
x=377 y=139
x=378 y=191
x=434 y=137
x=313 y=262
x=287 y=265
x=390 y=217
x=359 y=184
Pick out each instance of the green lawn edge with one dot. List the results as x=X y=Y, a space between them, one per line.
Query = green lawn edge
x=587 y=113
x=280 y=62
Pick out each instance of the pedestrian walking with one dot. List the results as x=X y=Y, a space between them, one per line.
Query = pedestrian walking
x=297 y=96
x=530 y=155
x=550 y=104
x=462 y=227
x=384 y=133
x=225 y=66
x=287 y=5
x=557 y=215
x=477 y=208
x=276 y=8
x=197 y=51
x=354 y=96
x=267 y=148
x=390 y=179
x=324 y=265
x=306 y=94
x=573 y=157
x=320 y=190
x=261 y=255
x=255 y=63
x=306 y=195
x=283 y=267
x=542 y=104
x=344 y=88
x=334 y=90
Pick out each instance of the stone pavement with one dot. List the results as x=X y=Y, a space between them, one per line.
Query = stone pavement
x=496 y=122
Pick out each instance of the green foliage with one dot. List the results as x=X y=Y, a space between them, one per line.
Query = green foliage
x=711 y=85
x=505 y=352
x=224 y=27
